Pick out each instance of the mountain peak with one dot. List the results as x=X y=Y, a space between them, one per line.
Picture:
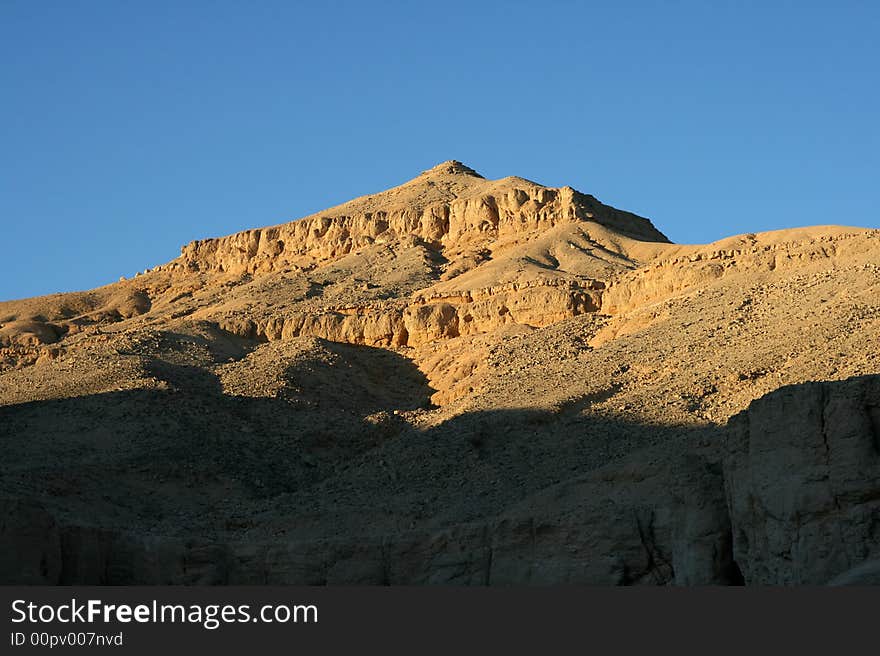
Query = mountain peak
x=451 y=167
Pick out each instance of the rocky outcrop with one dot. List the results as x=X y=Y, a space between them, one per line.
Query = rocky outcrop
x=701 y=266
x=803 y=482
x=429 y=318
x=483 y=218
x=535 y=303
x=647 y=520
x=29 y=337
x=371 y=325
x=30 y=332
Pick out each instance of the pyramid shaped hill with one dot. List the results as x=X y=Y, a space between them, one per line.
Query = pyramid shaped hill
x=458 y=381
x=447 y=254
x=450 y=208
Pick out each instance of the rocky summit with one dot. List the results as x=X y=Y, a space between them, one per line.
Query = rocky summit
x=454 y=381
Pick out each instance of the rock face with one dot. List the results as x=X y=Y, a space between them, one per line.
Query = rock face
x=458 y=381
x=803 y=480
x=30 y=544
x=438 y=317
x=645 y=522
x=697 y=267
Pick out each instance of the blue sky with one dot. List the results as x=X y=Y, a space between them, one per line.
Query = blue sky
x=131 y=128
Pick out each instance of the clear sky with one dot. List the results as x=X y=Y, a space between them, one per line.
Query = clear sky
x=130 y=128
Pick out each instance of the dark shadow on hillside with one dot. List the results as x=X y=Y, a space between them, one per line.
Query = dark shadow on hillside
x=185 y=378
x=191 y=465
x=360 y=379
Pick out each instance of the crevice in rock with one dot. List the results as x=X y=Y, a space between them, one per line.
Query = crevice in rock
x=873 y=412
x=659 y=568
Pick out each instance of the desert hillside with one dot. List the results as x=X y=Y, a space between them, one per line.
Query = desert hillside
x=457 y=380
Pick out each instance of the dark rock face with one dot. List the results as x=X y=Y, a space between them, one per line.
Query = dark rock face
x=649 y=520
x=792 y=498
x=30 y=546
x=803 y=481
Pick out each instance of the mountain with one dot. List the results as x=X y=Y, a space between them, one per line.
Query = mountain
x=457 y=380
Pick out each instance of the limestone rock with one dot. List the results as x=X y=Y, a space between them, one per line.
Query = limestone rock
x=803 y=482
